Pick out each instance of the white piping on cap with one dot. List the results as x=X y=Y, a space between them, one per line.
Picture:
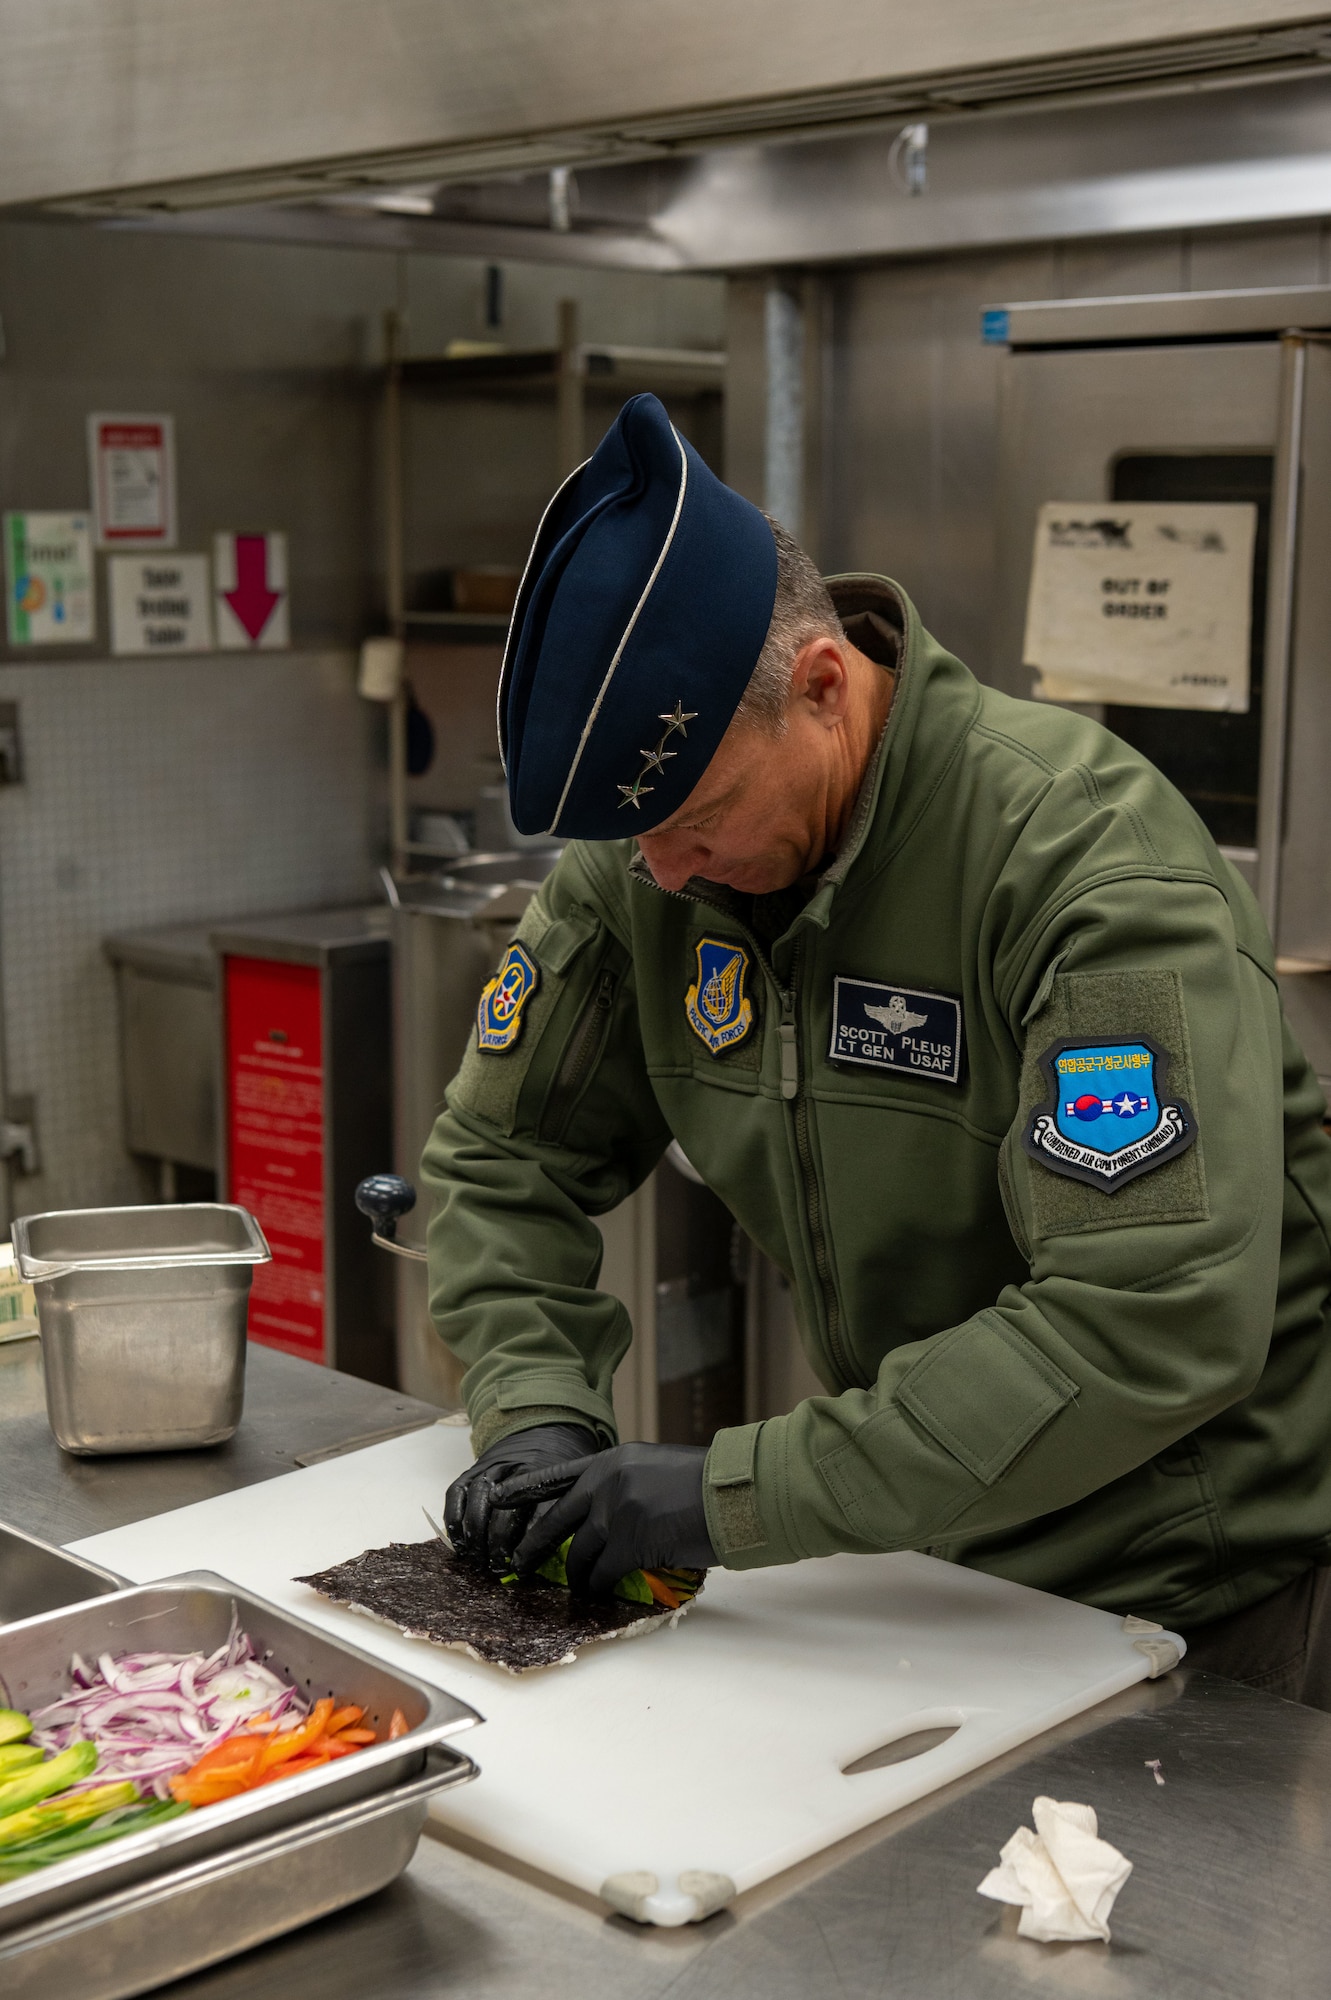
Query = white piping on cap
x=509 y=642
x=628 y=634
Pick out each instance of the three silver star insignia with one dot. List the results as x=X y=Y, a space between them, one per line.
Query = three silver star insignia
x=656 y=760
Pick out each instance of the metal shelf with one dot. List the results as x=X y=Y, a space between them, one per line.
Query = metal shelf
x=609 y=370
x=570 y=372
x=459 y=625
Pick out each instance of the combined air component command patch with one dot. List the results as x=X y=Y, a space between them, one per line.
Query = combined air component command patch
x=1108 y=1121
x=719 y=1011
x=499 y=1016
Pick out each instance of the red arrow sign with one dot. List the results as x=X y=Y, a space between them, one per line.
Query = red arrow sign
x=252 y=601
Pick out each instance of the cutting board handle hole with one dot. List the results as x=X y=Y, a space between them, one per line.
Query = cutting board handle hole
x=901 y=1749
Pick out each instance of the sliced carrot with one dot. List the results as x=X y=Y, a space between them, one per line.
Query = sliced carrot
x=398 y=1725
x=236 y=1752
x=208 y=1790
x=279 y=1749
x=661 y=1591
x=250 y=1758
x=292 y=1767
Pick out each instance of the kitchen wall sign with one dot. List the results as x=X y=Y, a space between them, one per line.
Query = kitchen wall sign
x=132 y=461
x=250 y=592
x=1147 y=604
x=49 y=598
x=160 y=604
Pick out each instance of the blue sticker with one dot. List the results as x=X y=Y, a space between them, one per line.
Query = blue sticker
x=994 y=326
x=896 y=1028
x=499 y=1016
x=1108 y=1119
x=718 y=1009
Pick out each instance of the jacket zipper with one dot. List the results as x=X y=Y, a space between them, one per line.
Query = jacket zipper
x=794 y=1090
x=583 y=1051
x=794 y=1094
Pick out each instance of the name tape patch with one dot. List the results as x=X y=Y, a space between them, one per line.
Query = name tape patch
x=896 y=1028
x=499 y=1016
x=1107 y=1119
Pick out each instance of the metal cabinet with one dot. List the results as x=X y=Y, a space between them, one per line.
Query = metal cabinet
x=306 y=1114
x=166 y=989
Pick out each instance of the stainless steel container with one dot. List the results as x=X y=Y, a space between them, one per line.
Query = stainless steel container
x=142 y=1314
x=34 y=1577
x=190 y=1614
x=190 y=1917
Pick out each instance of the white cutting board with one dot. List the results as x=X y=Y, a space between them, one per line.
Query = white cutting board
x=708 y=1756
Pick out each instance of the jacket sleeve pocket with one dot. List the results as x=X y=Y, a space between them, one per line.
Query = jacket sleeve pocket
x=491 y=1085
x=983 y=1392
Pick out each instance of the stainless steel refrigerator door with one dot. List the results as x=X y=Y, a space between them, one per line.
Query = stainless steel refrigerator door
x=1301 y=892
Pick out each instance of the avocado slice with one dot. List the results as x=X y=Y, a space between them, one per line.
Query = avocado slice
x=40 y=1780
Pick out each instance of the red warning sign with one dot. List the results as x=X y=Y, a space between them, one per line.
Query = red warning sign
x=275 y=1143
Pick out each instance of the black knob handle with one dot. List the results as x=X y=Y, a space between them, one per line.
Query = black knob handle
x=385 y=1198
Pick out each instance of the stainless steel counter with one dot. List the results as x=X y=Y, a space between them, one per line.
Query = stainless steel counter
x=292 y=1411
x=1232 y=1853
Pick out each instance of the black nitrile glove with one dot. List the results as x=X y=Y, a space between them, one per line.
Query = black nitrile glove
x=636 y=1506
x=472 y=1522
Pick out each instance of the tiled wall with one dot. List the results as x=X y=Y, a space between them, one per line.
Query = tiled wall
x=158 y=791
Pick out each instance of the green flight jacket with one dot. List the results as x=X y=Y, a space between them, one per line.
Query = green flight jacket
x=1124 y=1397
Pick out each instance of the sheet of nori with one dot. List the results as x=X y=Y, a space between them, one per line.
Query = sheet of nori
x=428 y=1592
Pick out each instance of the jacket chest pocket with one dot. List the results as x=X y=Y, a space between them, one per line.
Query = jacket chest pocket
x=709 y=1018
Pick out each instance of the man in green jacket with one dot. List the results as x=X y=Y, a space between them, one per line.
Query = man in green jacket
x=953 y=1001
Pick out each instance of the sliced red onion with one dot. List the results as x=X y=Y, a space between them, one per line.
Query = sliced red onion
x=154 y=1714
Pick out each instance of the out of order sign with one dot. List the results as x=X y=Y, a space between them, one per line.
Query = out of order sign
x=1148 y=604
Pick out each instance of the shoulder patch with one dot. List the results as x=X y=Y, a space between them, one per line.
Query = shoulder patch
x=896 y=1028
x=716 y=1006
x=499 y=1016
x=1107 y=1119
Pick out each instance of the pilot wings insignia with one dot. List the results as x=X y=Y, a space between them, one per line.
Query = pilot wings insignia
x=896 y=1017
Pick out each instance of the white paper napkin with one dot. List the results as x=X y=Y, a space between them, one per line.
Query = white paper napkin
x=1063 y=1876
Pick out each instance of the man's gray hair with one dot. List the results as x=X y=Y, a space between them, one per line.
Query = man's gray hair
x=803 y=610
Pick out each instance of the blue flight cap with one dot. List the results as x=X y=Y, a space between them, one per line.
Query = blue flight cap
x=642 y=611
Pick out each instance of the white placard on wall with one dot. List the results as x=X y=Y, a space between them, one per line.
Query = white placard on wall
x=132 y=466
x=1148 y=604
x=161 y=604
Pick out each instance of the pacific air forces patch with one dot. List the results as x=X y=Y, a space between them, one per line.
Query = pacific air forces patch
x=719 y=1011
x=1108 y=1119
x=499 y=1016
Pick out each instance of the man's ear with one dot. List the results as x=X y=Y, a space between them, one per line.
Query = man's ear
x=819 y=677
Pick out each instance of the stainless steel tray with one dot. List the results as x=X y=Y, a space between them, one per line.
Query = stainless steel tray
x=179 y=1922
x=34 y=1577
x=193 y=1614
